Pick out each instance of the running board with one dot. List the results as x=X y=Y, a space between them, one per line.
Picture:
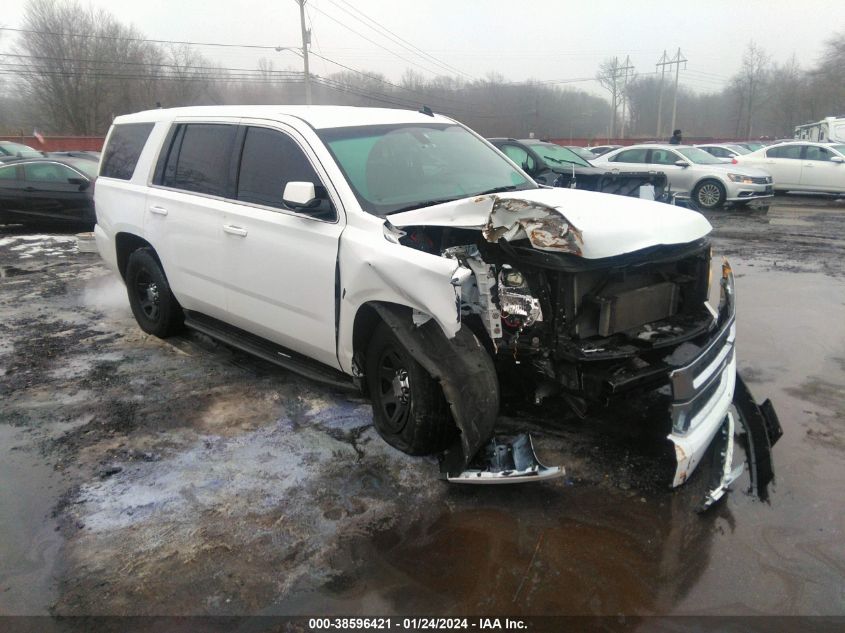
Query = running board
x=506 y=460
x=267 y=350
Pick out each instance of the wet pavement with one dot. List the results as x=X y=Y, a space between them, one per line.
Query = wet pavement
x=139 y=476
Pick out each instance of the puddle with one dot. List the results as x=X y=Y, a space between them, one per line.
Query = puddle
x=30 y=543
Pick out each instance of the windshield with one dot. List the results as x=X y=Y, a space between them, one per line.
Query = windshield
x=401 y=167
x=739 y=149
x=16 y=149
x=839 y=148
x=558 y=155
x=753 y=146
x=699 y=156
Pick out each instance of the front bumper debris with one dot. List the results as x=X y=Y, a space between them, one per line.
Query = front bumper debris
x=506 y=460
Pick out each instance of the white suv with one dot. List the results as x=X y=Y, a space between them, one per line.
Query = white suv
x=400 y=251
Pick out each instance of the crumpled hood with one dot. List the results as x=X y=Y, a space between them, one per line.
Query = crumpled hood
x=592 y=225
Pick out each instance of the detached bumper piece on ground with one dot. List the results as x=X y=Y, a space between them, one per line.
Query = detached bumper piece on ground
x=506 y=460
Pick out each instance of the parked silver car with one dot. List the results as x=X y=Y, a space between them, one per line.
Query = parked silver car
x=708 y=181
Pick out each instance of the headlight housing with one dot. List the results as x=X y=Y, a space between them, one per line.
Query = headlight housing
x=741 y=178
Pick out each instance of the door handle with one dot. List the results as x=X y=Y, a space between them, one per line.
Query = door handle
x=158 y=210
x=234 y=230
x=29 y=189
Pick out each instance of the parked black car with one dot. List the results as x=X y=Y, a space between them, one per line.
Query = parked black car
x=557 y=166
x=48 y=189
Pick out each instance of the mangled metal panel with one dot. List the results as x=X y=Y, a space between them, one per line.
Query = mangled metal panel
x=583 y=223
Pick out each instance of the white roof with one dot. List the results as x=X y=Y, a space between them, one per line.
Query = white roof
x=316 y=116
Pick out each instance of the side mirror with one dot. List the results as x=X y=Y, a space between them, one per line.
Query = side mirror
x=837 y=159
x=300 y=195
x=682 y=163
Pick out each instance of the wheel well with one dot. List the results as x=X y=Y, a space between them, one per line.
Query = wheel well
x=125 y=245
x=708 y=179
x=366 y=321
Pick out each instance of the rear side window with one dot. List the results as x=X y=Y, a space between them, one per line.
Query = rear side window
x=8 y=173
x=124 y=148
x=786 y=151
x=48 y=172
x=269 y=161
x=199 y=158
x=630 y=156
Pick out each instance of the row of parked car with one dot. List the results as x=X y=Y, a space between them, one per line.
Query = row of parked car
x=708 y=175
x=58 y=185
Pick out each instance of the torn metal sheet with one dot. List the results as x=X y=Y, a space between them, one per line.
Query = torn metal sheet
x=583 y=223
x=507 y=460
x=724 y=474
x=466 y=374
x=763 y=430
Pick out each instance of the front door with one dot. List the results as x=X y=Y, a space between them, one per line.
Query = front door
x=819 y=172
x=280 y=262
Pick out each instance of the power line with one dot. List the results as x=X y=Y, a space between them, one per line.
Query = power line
x=385 y=32
x=143 y=39
x=371 y=41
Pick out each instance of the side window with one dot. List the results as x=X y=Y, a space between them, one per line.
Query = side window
x=663 y=157
x=786 y=151
x=630 y=156
x=520 y=157
x=8 y=173
x=718 y=152
x=815 y=152
x=199 y=158
x=124 y=148
x=48 y=172
x=270 y=160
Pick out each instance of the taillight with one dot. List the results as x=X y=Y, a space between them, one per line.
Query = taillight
x=734 y=161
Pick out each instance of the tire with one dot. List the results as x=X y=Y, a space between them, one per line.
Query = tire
x=409 y=409
x=154 y=306
x=709 y=194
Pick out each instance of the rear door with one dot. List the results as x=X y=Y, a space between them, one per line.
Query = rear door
x=784 y=164
x=819 y=172
x=185 y=211
x=56 y=191
x=281 y=263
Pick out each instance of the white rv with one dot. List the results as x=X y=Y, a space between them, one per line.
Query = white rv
x=829 y=130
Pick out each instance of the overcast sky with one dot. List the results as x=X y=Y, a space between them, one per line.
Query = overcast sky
x=542 y=39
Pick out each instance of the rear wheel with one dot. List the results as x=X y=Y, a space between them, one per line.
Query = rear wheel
x=409 y=410
x=154 y=306
x=709 y=194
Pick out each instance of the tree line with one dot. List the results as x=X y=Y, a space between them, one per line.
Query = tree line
x=75 y=68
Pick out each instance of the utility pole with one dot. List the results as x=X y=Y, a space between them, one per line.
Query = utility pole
x=626 y=68
x=306 y=39
x=662 y=63
x=677 y=63
x=613 y=101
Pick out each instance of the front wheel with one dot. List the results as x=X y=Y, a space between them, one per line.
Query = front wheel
x=709 y=194
x=409 y=409
x=154 y=306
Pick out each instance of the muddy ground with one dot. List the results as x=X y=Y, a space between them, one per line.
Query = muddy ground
x=139 y=476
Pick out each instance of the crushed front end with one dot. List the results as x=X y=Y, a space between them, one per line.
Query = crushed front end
x=595 y=330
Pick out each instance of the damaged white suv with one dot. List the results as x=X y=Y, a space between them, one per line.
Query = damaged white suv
x=401 y=252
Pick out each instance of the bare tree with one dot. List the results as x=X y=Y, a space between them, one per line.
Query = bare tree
x=609 y=78
x=749 y=82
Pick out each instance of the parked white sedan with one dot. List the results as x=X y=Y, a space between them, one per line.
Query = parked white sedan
x=707 y=180
x=801 y=165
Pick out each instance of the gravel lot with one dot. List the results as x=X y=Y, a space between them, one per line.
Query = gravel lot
x=142 y=476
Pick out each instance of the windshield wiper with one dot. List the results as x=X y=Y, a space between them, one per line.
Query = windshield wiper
x=496 y=190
